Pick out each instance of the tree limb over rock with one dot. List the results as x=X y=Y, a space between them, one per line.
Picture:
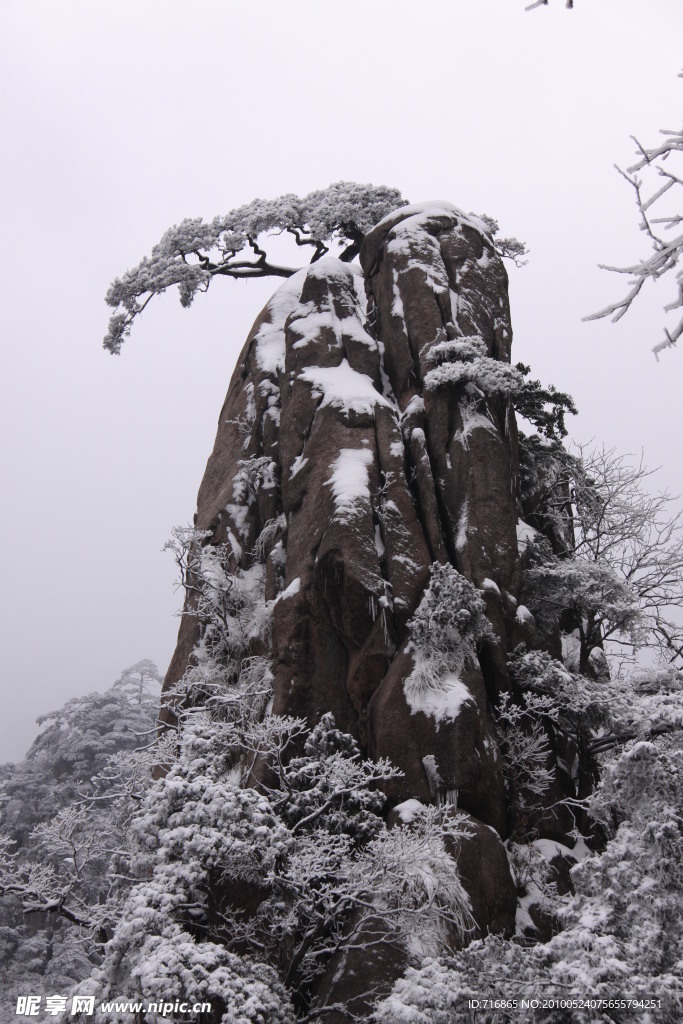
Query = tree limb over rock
x=191 y=253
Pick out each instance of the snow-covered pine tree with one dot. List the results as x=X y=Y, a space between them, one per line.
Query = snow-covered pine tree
x=64 y=812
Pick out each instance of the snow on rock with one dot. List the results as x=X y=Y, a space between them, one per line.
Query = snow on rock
x=330 y=268
x=397 y=304
x=298 y=464
x=408 y=810
x=350 y=481
x=415 y=407
x=551 y=848
x=463 y=523
x=522 y=614
x=307 y=323
x=235 y=545
x=344 y=388
x=240 y=517
x=443 y=702
x=345 y=320
x=432 y=771
x=471 y=422
x=293 y=588
x=415 y=218
x=472 y=419
x=270 y=338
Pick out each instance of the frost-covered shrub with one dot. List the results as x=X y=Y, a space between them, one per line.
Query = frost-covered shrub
x=252 y=475
x=458 y=349
x=579 y=701
x=171 y=965
x=540 y=672
x=415 y=884
x=465 y=361
x=193 y=816
x=526 y=751
x=446 y=630
x=652 y=702
x=438 y=992
x=271 y=532
x=489 y=375
x=644 y=778
x=545 y=476
x=641 y=703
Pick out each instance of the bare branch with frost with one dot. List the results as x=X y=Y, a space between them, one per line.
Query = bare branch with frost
x=657 y=221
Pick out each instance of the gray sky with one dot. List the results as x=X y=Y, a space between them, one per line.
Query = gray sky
x=118 y=120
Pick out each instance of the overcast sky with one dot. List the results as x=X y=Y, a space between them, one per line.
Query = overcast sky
x=119 y=119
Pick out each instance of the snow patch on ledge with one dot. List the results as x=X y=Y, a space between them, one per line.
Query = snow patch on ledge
x=477 y=421
x=307 y=320
x=310 y=322
x=298 y=464
x=522 y=614
x=293 y=588
x=551 y=848
x=414 y=407
x=408 y=810
x=472 y=420
x=443 y=702
x=344 y=388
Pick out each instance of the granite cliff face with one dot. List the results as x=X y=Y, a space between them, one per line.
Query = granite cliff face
x=368 y=433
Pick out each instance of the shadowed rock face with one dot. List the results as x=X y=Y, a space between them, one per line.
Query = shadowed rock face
x=351 y=422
